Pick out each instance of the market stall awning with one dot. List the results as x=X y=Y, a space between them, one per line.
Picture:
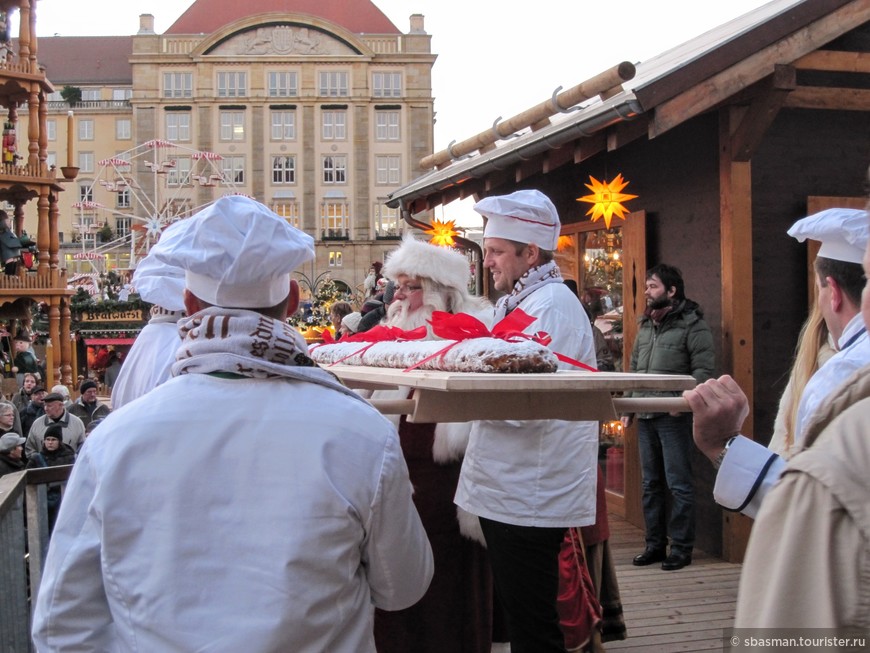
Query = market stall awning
x=109 y=341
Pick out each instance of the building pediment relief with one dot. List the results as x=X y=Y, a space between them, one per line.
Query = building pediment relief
x=282 y=40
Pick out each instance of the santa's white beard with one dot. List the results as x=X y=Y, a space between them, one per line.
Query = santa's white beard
x=399 y=316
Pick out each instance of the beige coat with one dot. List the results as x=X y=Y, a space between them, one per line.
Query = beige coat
x=808 y=560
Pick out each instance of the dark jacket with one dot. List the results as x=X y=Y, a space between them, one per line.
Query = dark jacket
x=29 y=415
x=87 y=414
x=63 y=455
x=9 y=465
x=10 y=246
x=681 y=344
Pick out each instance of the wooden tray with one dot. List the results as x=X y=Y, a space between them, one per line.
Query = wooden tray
x=466 y=396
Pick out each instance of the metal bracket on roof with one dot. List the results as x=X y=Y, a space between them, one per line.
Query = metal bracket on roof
x=453 y=155
x=498 y=136
x=554 y=100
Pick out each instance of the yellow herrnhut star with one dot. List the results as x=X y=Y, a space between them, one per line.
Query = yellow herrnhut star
x=607 y=199
x=442 y=233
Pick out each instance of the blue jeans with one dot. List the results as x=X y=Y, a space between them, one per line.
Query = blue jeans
x=665 y=444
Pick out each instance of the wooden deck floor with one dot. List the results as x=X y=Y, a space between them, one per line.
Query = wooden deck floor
x=670 y=611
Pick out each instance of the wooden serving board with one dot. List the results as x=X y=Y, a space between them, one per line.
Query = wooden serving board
x=467 y=396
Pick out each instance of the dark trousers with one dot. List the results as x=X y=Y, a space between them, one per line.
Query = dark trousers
x=525 y=572
x=665 y=444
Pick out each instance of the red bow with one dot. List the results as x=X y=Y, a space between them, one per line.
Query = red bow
x=461 y=326
x=378 y=334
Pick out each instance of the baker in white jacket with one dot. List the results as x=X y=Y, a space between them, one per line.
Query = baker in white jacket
x=250 y=503
x=530 y=480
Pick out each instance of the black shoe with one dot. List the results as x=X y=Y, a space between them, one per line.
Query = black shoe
x=648 y=557
x=677 y=561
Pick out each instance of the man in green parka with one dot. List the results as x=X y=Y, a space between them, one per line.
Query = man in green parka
x=672 y=339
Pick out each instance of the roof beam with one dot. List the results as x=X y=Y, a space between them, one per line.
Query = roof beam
x=720 y=87
x=841 y=99
x=624 y=133
x=835 y=61
x=761 y=113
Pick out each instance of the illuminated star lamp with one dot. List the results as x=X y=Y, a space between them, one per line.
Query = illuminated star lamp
x=606 y=199
x=442 y=233
x=565 y=243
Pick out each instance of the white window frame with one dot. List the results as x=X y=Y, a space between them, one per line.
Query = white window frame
x=333 y=83
x=86 y=162
x=86 y=193
x=335 y=216
x=283 y=125
x=289 y=210
x=177 y=85
x=232 y=83
x=123 y=200
x=178 y=126
x=283 y=169
x=387 y=84
x=86 y=129
x=282 y=83
x=91 y=94
x=121 y=94
x=232 y=125
x=180 y=174
x=388 y=222
x=387 y=125
x=388 y=169
x=336 y=257
x=233 y=169
x=334 y=169
x=333 y=124
x=123 y=129
x=51 y=129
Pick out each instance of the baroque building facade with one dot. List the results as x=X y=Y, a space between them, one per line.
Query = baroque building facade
x=319 y=113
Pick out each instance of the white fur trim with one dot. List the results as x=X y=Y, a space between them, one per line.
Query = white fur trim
x=451 y=441
x=417 y=259
x=469 y=526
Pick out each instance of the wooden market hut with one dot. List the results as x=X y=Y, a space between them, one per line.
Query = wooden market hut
x=726 y=140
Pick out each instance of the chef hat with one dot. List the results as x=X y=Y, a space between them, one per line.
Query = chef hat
x=843 y=233
x=236 y=253
x=160 y=283
x=526 y=216
x=351 y=321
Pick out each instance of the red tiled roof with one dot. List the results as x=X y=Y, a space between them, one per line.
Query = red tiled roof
x=86 y=59
x=357 y=16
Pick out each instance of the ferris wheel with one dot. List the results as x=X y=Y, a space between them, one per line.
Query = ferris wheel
x=155 y=184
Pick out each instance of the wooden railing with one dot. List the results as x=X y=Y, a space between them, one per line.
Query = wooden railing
x=23 y=544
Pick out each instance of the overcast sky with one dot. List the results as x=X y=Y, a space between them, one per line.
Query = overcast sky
x=494 y=60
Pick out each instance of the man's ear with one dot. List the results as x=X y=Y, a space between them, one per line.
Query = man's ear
x=837 y=295
x=191 y=303
x=533 y=252
x=293 y=298
x=671 y=292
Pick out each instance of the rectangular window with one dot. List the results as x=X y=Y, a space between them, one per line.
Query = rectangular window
x=233 y=84
x=120 y=94
x=123 y=129
x=90 y=95
x=122 y=201
x=334 y=125
x=333 y=84
x=283 y=84
x=51 y=129
x=283 y=125
x=334 y=220
x=288 y=210
x=51 y=159
x=233 y=168
x=387 y=223
x=177 y=126
x=387 y=84
x=86 y=161
x=387 y=125
x=177 y=84
x=86 y=129
x=232 y=125
x=180 y=174
x=335 y=259
x=86 y=193
x=122 y=225
x=388 y=170
x=283 y=170
x=334 y=169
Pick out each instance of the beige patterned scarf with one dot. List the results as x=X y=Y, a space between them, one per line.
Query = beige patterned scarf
x=526 y=285
x=249 y=344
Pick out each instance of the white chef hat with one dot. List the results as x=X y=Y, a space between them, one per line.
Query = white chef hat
x=159 y=283
x=236 y=253
x=843 y=233
x=525 y=216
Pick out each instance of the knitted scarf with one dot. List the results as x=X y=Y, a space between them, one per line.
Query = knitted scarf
x=533 y=279
x=249 y=344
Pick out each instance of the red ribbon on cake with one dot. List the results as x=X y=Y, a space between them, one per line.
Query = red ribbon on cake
x=461 y=326
x=378 y=334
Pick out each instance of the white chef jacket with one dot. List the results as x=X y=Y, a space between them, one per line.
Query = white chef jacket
x=148 y=362
x=227 y=514
x=537 y=473
x=749 y=469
